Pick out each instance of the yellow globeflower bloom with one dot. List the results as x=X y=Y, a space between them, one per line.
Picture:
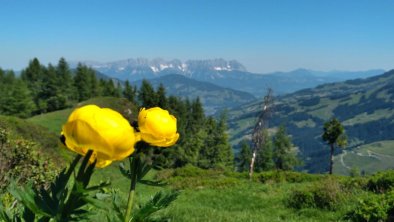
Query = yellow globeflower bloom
x=157 y=127
x=102 y=130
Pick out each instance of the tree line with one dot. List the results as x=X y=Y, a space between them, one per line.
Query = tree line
x=41 y=89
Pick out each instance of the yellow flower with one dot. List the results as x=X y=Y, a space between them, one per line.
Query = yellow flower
x=102 y=130
x=157 y=127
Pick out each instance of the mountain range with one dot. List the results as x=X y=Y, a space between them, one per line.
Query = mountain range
x=364 y=106
x=229 y=74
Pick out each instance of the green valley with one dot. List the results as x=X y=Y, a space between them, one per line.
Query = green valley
x=365 y=106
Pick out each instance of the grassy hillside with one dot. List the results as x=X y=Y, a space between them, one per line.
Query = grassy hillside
x=22 y=129
x=365 y=106
x=214 y=195
x=54 y=120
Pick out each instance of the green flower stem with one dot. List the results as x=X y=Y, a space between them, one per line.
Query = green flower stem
x=134 y=165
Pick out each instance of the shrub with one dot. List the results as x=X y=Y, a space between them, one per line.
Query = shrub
x=20 y=161
x=299 y=199
x=194 y=177
x=373 y=208
x=278 y=176
x=381 y=182
x=190 y=171
x=390 y=203
x=326 y=194
x=354 y=184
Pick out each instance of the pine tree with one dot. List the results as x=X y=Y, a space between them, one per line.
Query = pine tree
x=2 y=73
x=65 y=83
x=197 y=117
x=178 y=108
x=226 y=155
x=17 y=100
x=110 y=88
x=95 y=89
x=244 y=156
x=284 y=157
x=216 y=151
x=82 y=83
x=196 y=134
x=50 y=94
x=129 y=92
x=192 y=136
x=105 y=89
x=147 y=95
x=9 y=77
x=208 y=153
x=33 y=76
x=161 y=97
x=264 y=159
x=118 y=90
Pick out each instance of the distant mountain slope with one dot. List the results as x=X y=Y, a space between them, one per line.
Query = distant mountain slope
x=229 y=74
x=213 y=97
x=365 y=106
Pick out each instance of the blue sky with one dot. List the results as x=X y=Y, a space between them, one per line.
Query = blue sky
x=265 y=36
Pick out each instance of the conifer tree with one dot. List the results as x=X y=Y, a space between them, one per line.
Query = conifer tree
x=118 y=90
x=1 y=75
x=178 y=108
x=95 y=89
x=195 y=135
x=147 y=95
x=264 y=159
x=129 y=92
x=65 y=82
x=33 y=77
x=197 y=116
x=225 y=154
x=208 y=153
x=82 y=83
x=161 y=97
x=106 y=89
x=244 y=156
x=110 y=88
x=17 y=100
x=50 y=94
x=284 y=157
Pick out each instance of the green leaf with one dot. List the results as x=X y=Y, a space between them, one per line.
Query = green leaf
x=3 y=214
x=58 y=187
x=143 y=170
x=157 y=183
x=160 y=201
x=83 y=168
x=30 y=199
x=28 y=215
x=99 y=186
x=124 y=171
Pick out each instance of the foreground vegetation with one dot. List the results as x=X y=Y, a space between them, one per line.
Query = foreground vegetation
x=220 y=195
